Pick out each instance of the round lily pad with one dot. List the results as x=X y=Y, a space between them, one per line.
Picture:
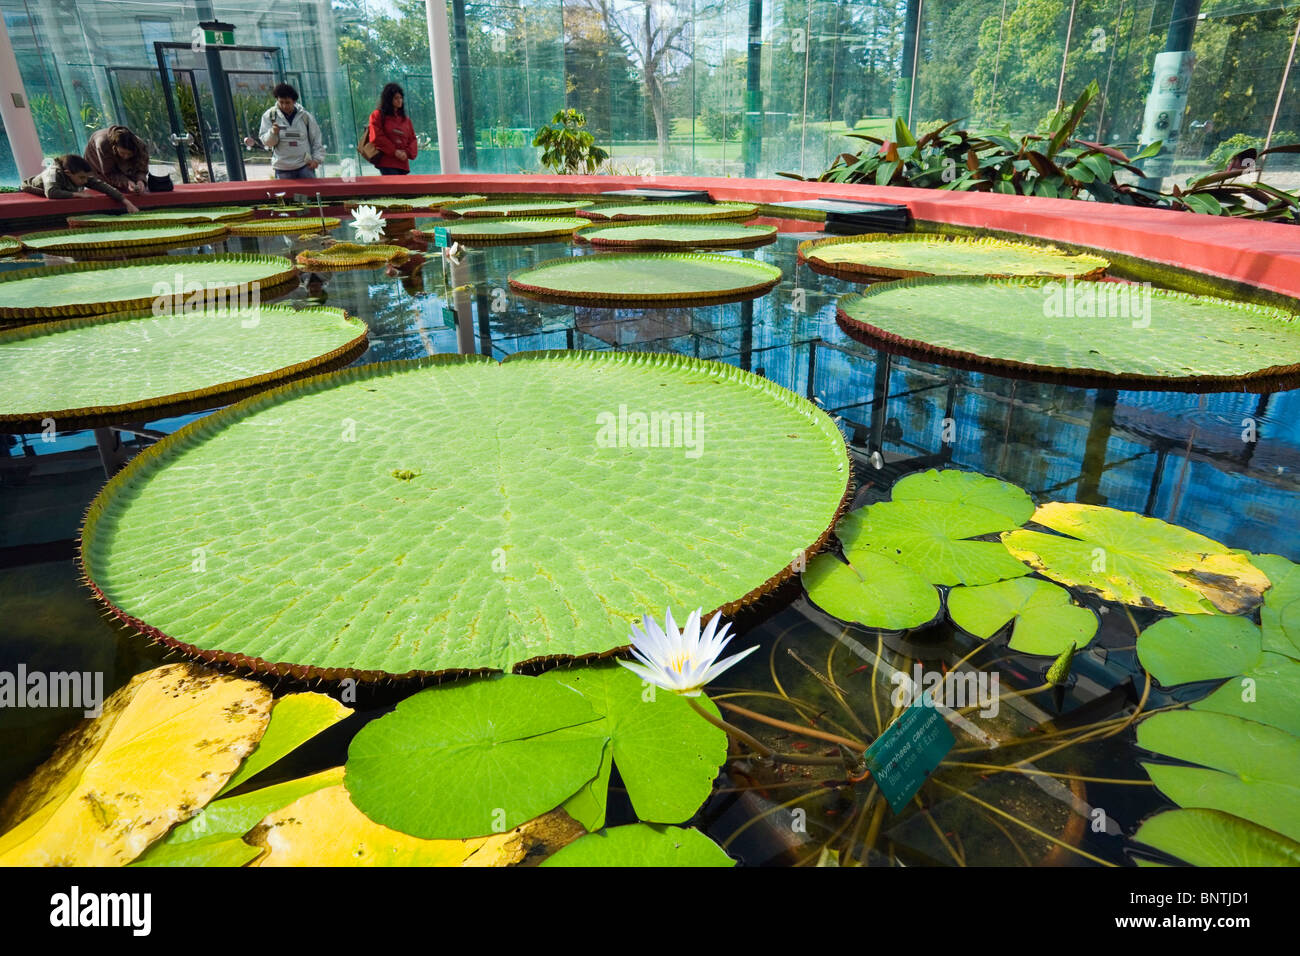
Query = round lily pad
x=626 y=278
x=887 y=256
x=165 y=216
x=670 y=233
x=93 y=288
x=1192 y=647
x=86 y=372
x=1045 y=620
x=348 y=530
x=518 y=207
x=9 y=247
x=123 y=241
x=675 y=210
x=641 y=844
x=404 y=203
x=515 y=229
x=1084 y=332
x=350 y=255
x=871 y=590
x=284 y=225
x=1214 y=838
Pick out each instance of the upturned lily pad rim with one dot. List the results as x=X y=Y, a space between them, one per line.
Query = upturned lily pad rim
x=549 y=226
x=856 y=270
x=177 y=403
x=1260 y=380
x=627 y=211
x=283 y=225
x=208 y=424
x=197 y=215
x=761 y=235
x=554 y=207
x=356 y=256
x=200 y=234
x=271 y=283
x=772 y=275
x=10 y=246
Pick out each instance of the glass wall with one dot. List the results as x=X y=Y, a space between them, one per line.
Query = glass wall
x=697 y=87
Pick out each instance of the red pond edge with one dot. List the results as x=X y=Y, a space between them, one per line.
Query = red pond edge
x=1264 y=255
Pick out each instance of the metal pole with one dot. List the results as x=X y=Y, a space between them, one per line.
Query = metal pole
x=754 y=90
x=444 y=98
x=1065 y=54
x=178 y=129
x=17 y=115
x=1277 y=105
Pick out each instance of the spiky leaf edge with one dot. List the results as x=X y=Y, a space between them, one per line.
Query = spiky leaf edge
x=860 y=271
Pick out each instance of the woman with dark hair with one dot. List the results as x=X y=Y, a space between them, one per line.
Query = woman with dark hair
x=391 y=131
x=120 y=158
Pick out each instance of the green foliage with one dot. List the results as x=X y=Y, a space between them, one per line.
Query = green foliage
x=722 y=124
x=640 y=844
x=567 y=146
x=1240 y=141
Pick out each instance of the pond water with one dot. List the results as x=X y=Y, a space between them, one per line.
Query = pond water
x=1225 y=465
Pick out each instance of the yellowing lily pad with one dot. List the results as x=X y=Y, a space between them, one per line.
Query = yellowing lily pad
x=162 y=748
x=1126 y=557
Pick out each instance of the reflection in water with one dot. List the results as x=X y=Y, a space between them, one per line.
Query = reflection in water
x=1224 y=465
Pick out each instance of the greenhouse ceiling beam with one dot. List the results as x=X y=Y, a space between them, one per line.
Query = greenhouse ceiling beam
x=444 y=99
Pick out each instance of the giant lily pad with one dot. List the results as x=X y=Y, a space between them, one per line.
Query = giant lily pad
x=1090 y=332
x=629 y=278
x=126 y=365
x=350 y=255
x=518 y=207
x=1045 y=620
x=670 y=233
x=640 y=844
x=1126 y=557
x=554 y=513
x=94 y=288
x=667 y=755
x=121 y=242
x=884 y=256
x=165 y=216
x=675 y=210
x=515 y=229
x=929 y=519
x=486 y=756
x=407 y=203
x=284 y=225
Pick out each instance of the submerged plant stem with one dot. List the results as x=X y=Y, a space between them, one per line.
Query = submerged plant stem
x=849 y=742
x=755 y=744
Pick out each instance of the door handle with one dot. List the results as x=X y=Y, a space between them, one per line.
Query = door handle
x=185 y=138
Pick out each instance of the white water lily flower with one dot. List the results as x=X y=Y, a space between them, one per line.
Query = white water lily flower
x=681 y=661
x=368 y=224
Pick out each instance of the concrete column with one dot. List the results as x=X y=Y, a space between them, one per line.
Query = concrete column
x=444 y=97
x=17 y=114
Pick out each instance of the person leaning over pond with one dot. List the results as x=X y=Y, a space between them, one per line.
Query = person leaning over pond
x=120 y=158
x=292 y=135
x=71 y=177
x=391 y=131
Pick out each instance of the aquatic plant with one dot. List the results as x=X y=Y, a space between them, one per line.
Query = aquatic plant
x=684 y=660
x=367 y=224
x=567 y=146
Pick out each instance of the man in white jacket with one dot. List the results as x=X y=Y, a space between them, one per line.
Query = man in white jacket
x=293 y=137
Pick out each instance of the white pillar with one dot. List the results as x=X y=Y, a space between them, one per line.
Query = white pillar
x=17 y=114
x=444 y=98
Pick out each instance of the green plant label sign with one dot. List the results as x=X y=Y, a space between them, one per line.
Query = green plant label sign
x=907 y=752
x=449 y=317
x=440 y=238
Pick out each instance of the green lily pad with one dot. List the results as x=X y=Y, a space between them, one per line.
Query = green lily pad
x=1280 y=616
x=1127 y=333
x=401 y=203
x=1254 y=770
x=518 y=207
x=641 y=845
x=1126 y=557
x=516 y=229
x=675 y=210
x=1045 y=620
x=1177 y=650
x=966 y=489
x=137 y=362
x=626 y=278
x=475 y=758
x=669 y=233
x=165 y=216
x=122 y=241
x=295 y=719
x=882 y=255
x=666 y=753
x=1269 y=693
x=871 y=590
x=207 y=852
x=386 y=543
x=9 y=246
x=284 y=225
x=98 y=288
x=1215 y=838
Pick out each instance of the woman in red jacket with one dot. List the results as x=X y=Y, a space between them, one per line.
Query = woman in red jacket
x=392 y=132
